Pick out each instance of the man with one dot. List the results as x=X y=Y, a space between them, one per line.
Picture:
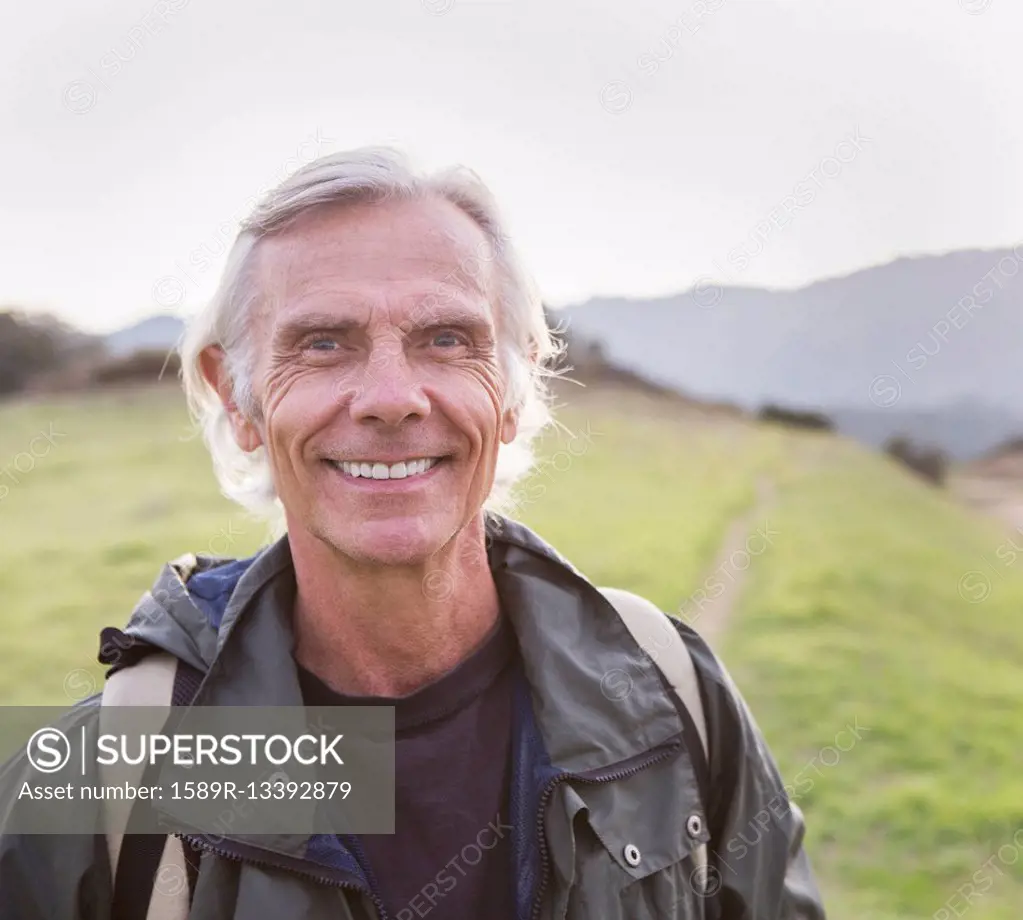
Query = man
x=372 y=371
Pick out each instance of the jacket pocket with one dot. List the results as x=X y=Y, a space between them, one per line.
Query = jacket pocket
x=638 y=848
x=608 y=888
x=676 y=892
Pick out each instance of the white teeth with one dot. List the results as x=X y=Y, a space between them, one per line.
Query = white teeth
x=400 y=470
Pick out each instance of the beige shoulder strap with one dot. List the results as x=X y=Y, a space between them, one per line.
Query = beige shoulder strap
x=657 y=636
x=150 y=683
x=654 y=632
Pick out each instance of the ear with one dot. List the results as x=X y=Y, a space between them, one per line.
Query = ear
x=213 y=364
x=509 y=425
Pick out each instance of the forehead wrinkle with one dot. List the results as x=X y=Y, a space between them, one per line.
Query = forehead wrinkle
x=286 y=282
x=415 y=297
x=292 y=262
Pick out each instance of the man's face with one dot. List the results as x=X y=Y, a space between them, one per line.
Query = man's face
x=377 y=376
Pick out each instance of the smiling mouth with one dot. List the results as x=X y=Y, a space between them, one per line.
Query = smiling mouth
x=375 y=469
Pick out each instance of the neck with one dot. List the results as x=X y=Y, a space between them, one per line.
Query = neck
x=387 y=631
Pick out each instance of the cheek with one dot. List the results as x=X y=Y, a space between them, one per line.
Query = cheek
x=476 y=395
x=465 y=406
x=300 y=404
x=488 y=381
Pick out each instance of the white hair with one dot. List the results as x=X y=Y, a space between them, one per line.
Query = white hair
x=526 y=347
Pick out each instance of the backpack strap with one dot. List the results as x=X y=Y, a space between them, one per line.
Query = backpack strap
x=657 y=636
x=149 y=858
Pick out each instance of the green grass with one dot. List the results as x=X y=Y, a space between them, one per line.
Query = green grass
x=635 y=502
x=856 y=616
x=122 y=488
x=853 y=615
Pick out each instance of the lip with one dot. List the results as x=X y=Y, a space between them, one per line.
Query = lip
x=389 y=485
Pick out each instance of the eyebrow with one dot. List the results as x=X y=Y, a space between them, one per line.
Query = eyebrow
x=290 y=330
x=452 y=315
x=295 y=328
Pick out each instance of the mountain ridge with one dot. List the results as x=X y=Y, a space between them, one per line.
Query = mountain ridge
x=899 y=348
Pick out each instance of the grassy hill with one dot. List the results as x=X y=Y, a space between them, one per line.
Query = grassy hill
x=885 y=606
x=878 y=606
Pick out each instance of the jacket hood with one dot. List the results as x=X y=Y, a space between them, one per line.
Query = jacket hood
x=181 y=613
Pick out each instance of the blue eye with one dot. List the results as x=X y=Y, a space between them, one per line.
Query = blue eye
x=316 y=344
x=453 y=339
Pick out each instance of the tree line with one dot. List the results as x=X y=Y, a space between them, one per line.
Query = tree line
x=34 y=344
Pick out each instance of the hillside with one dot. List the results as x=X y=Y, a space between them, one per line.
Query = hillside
x=156 y=333
x=993 y=484
x=926 y=346
x=864 y=608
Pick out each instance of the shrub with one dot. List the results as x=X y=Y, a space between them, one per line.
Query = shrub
x=816 y=421
x=28 y=346
x=928 y=462
x=149 y=365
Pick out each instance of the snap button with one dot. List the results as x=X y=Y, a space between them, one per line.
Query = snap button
x=694 y=825
x=632 y=854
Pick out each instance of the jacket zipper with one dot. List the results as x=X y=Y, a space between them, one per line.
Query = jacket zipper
x=321 y=878
x=545 y=862
x=599 y=779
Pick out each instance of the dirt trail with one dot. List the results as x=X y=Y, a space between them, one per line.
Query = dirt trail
x=709 y=608
x=997 y=497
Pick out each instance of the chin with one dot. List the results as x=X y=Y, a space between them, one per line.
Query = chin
x=392 y=541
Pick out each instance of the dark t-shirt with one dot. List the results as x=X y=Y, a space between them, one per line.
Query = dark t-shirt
x=450 y=855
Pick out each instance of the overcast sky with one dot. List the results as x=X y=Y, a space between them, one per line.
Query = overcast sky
x=636 y=146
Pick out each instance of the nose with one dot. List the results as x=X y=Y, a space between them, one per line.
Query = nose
x=389 y=390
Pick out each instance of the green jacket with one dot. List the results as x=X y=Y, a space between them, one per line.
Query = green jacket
x=606 y=776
